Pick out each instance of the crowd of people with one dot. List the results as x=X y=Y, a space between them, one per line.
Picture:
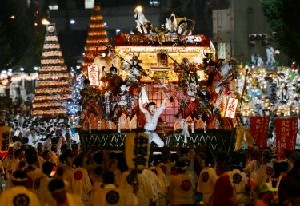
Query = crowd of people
x=45 y=175
x=45 y=166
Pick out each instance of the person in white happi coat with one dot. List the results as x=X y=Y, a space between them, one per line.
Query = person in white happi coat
x=96 y=175
x=37 y=180
x=18 y=157
x=252 y=162
x=111 y=195
x=206 y=181
x=6 y=163
x=264 y=171
x=152 y=114
x=79 y=180
x=182 y=186
x=161 y=185
x=18 y=194
x=140 y=20
x=60 y=195
x=2 y=172
x=144 y=189
x=239 y=180
x=33 y=138
x=47 y=144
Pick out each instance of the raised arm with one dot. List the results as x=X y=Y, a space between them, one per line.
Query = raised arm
x=141 y=106
x=162 y=106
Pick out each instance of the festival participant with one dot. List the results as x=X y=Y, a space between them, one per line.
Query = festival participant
x=182 y=186
x=252 y=162
x=142 y=186
x=152 y=114
x=1 y=173
x=223 y=190
x=33 y=138
x=7 y=166
x=140 y=20
x=96 y=175
x=270 y=56
x=60 y=195
x=18 y=157
x=289 y=187
x=18 y=194
x=111 y=195
x=3 y=129
x=264 y=171
x=37 y=180
x=163 y=184
x=78 y=179
x=239 y=181
x=113 y=167
x=207 y=179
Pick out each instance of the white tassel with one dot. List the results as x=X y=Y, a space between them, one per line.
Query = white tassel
x=119 y=127
x=193 y=127
x=144 y=97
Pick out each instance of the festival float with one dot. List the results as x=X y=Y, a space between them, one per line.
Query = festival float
x=151 y=66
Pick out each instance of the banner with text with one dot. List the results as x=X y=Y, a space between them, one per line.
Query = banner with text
x=93 y=72
x=259 y=127
x=231 y=107
x=286 y=130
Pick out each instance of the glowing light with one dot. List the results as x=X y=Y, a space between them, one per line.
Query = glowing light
x=72 y=21
x=45 y=22
x=139 y=9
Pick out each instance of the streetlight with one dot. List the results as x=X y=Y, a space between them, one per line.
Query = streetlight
x=45 y=22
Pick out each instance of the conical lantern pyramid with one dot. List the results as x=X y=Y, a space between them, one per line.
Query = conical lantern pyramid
x=96 y=39
x=53 y=85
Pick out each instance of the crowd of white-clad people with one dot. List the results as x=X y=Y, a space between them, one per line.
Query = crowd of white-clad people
x=43 y=167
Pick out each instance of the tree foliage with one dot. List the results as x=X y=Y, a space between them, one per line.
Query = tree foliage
x=283 y=18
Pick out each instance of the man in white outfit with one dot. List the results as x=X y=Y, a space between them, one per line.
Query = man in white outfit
x=140 y=20
x=152 y=114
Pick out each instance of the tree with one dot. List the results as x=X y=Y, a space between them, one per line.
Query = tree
x=283 y=18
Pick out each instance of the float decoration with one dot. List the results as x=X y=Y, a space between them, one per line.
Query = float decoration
x=53 y=85
x=198 y=87
x=96 y=39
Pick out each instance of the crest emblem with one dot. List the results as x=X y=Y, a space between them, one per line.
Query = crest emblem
x=21 y=200
x=112 y=197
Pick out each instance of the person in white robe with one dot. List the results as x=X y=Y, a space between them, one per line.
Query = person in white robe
x=60 y=195
x=19 y=194
x=111 y=195
x=152 y=114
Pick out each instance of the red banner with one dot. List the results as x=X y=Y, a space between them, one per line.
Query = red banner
x=259 y=127
x=286 y=130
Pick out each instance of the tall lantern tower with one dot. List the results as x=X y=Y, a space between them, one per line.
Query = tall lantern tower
x=53 y=85
x=97 y=39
